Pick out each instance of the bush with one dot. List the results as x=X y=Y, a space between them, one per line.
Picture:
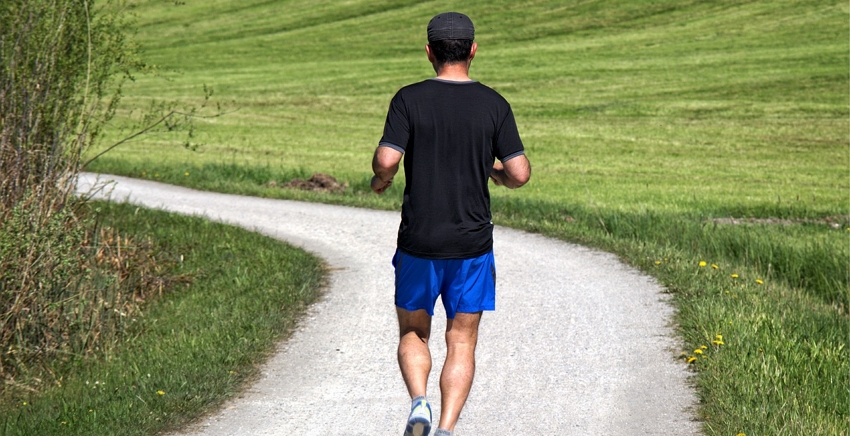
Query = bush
x=60 y=61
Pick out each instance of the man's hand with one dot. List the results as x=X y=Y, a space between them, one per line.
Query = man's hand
x=379 y=186
x=498 y=174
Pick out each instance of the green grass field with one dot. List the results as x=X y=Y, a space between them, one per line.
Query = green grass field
x=647 y=124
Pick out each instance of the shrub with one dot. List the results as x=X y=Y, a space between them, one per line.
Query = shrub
x=63 y=62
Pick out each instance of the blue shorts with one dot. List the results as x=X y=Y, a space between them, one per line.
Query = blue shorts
x=464 y=285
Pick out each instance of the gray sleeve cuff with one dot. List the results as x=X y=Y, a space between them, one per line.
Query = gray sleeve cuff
x=391 y=145
x=512 y=155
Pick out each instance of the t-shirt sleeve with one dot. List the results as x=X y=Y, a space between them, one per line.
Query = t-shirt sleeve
x=508 y=144
x=397 y=126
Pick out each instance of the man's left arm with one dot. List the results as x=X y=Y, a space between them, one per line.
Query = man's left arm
x=385 y=166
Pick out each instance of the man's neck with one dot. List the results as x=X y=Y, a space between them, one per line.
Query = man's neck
x=455 y=73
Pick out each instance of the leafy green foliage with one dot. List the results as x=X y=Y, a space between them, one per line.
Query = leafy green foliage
x=59 y=62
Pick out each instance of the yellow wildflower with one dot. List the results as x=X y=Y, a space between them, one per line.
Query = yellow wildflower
x=703 y=347
x=760 y=281
x=692 y=359
x=160 y=392
x=719 y=337
x=186 y=174
x=734 y=276
x=698 y=351
x=702 y=263
x=658 y=262
x=714 y=266
x=717 y=342
x=740 y=434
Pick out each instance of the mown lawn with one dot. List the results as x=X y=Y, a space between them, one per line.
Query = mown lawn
x=649 y=124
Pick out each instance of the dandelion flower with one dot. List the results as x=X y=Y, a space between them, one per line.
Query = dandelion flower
x=717 y=342
x=186 y=174
x=703 y=347
x=698 y=351
x=160 y=392
x=702 y=263
x=692 y=359
x=741 y=434
x=25 y=403
x=719 y=337
x=714 y=266
x=734 y=276
x=658 y=262
x=760 y=281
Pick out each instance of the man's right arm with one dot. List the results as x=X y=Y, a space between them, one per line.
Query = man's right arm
x=385 y=166
x=513 y=173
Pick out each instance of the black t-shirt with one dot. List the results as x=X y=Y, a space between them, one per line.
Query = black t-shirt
x=450 y=133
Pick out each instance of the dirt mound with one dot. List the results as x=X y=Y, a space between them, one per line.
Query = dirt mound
x=318 y=182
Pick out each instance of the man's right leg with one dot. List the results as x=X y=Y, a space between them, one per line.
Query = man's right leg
x=414 y=356
x=459 y=369
x=414 y=360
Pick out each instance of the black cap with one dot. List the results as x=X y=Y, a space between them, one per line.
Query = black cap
x=450 y=25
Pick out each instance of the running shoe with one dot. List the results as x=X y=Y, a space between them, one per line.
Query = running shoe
x=419 y=421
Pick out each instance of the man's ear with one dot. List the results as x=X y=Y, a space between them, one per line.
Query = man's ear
x=473 y=50
x=432 y=59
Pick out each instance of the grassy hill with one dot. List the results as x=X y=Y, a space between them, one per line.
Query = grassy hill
x=649 y=125
x=753 y=93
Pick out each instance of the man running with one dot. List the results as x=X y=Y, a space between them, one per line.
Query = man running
x=451 y=130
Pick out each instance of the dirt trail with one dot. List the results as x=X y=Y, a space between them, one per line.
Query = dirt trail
x=580 y=344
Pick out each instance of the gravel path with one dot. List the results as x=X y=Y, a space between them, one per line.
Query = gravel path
x=580 y=344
